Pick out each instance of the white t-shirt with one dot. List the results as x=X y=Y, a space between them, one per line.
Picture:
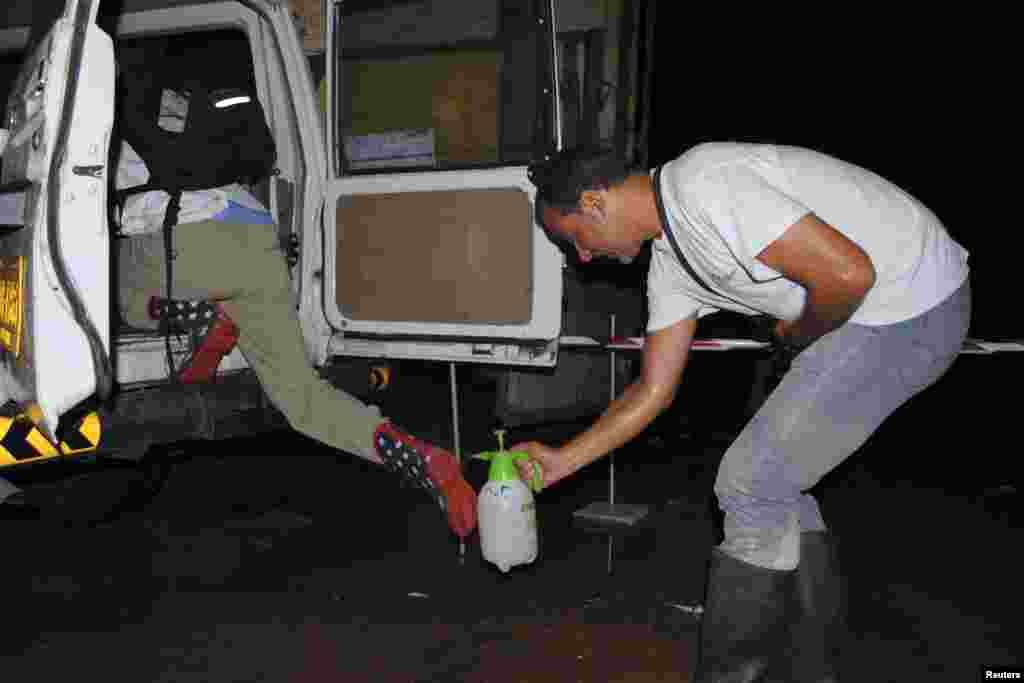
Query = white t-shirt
x=726 y=202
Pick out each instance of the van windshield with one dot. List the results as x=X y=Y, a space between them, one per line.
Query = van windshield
x=443 y=85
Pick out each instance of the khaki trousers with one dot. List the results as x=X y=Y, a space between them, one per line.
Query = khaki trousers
x=243 y=267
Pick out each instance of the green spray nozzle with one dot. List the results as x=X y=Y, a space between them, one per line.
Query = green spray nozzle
x=503 y=464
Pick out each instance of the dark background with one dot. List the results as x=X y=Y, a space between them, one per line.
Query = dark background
x=927 y=101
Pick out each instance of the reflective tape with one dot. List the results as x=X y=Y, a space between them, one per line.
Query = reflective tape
x=84 y=437
x=380 y=377
x=21 y=441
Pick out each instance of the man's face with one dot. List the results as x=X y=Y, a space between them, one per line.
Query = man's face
x=592 y=233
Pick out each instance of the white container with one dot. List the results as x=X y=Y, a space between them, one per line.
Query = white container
x=507 y=515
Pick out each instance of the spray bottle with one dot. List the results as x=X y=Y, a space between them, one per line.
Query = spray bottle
x=507 y=513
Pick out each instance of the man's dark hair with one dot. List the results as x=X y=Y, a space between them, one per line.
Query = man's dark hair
x=562 y=177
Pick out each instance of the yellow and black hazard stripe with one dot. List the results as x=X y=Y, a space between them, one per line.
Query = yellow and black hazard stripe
x=21 y=441
x=83 y=437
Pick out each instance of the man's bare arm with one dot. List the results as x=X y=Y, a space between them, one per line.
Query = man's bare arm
x=836 y=273
x=665 y=354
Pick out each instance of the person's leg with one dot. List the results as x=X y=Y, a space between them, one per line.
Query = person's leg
x=744 y=627
x=140 y=273
x=818 y=627
x=242 y=266
x=835 y=396
x=837 y=393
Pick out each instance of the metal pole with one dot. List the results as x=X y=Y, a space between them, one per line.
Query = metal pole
x=611 y=455
x=611 y=399
x=455 y=411
x=455 y=432
x=557 y=72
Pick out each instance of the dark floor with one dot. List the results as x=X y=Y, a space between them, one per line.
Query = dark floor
x=274 y=559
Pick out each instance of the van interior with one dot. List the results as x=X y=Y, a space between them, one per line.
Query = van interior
x=469 y=265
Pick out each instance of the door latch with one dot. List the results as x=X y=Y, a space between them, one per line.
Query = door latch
x=89 y=171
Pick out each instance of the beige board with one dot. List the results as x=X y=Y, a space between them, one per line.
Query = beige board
x=451 y=256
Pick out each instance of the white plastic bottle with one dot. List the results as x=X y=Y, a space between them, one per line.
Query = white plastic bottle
x=507 y=514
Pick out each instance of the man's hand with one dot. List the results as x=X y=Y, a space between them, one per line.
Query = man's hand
x=779 y=330
x=784 y=350
x=783 y=335
x=553 y=465
x=665 y=355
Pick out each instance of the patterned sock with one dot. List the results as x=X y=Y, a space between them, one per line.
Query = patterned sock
x=432 y=469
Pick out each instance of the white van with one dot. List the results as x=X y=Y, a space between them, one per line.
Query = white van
x=410 y=121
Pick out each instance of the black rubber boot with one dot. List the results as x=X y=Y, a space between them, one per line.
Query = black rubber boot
x=745 y=632
x=820 y=625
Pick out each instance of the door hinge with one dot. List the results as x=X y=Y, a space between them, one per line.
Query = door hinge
x=292 y=247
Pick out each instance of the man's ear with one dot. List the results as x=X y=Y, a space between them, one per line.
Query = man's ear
x=593 y=204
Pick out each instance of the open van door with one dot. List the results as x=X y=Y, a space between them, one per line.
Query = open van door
x=54 y=243
x=431 y=249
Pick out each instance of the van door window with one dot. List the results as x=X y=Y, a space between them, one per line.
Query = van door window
x=442 y=84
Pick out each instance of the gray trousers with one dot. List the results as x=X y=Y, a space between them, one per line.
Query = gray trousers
x=836 y=394
x=243 y=267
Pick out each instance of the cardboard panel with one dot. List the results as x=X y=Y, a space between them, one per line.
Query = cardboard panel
x=453 y=93
x=452 y=256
